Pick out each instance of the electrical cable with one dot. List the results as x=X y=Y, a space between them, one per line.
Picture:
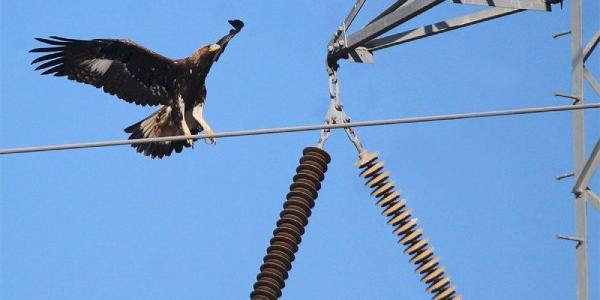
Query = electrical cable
x=304 y=128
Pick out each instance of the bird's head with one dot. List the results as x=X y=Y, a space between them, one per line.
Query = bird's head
x=205 y=56
x=206 y=53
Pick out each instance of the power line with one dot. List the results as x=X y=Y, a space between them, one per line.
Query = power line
x=435 y=118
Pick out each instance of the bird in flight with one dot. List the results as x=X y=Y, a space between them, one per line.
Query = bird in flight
x=141 y=76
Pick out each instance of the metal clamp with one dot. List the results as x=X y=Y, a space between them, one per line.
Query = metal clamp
x=335 y=113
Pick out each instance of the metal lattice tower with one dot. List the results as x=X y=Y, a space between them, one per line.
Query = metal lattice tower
x=359 y=47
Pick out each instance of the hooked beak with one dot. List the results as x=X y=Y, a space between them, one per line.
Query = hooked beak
x=214 y=48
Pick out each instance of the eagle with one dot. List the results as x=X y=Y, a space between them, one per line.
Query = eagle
x=137 y=75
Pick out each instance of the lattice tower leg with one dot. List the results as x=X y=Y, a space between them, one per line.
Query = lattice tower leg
x=290 y=226
x=405 y=226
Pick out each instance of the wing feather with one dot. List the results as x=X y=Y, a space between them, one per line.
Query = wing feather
x=47 y=49
x=50 y=63
x=65 y=39
x=47 y=57
x=52 y=42
x=121 y=67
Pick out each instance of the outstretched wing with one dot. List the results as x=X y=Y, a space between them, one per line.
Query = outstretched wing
x=122 y=67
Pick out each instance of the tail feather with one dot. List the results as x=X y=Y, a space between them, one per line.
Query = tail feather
x=156 y=125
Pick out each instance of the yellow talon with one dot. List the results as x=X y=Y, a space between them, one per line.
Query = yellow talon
x=210 y=140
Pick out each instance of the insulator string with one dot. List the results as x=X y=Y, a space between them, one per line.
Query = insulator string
x=291 y=224
x=405 y=227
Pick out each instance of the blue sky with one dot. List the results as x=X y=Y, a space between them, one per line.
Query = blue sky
x=111 y=224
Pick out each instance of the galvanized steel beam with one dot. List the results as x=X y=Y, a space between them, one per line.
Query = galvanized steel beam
x=581 y=253
x=355 y=10
x=409 y=10
x=389 y=10
x=591 y=80
x=583 y=180
x=591 y=45
x=514 y=4
x=440 y=27
x=593 y=199
x=349 y=19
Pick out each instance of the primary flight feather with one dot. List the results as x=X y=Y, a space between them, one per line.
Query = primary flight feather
x=138 y=75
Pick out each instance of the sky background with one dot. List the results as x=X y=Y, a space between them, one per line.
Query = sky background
x=108 y=223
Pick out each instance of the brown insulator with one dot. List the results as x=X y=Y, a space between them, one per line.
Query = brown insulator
x=406 y=228
x=291 y=224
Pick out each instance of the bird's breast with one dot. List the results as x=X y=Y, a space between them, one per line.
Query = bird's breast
x=193 y=93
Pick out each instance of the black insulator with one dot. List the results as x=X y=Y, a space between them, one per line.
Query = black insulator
x=290 y=227
x=405 y=227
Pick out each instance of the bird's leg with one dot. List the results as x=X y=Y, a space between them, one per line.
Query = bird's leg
x=180 y=115
x=198 y=114
x=186 y=131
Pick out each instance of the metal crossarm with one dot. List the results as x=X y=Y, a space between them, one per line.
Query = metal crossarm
x=354 y=12
x=389 y=10
x=440 y=27
x=348 y=21
x=407 y=11
x=358 y=46
x=386 y=23
x=514 y=4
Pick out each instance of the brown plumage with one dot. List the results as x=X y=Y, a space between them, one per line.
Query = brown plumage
x=138 y=75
